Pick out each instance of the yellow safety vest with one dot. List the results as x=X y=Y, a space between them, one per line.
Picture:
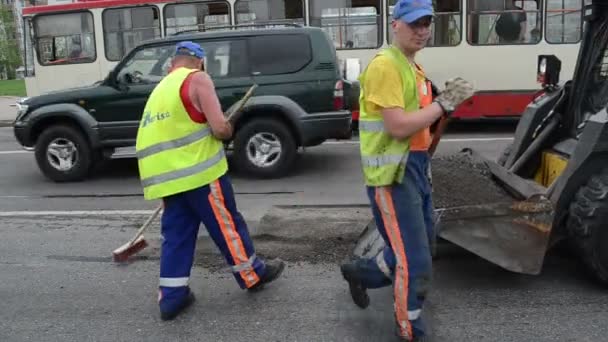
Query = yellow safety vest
x=175 y=154
x=384 y=157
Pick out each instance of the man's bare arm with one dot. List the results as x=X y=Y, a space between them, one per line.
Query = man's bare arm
x=208 y=102
x=522 y=31
x=402 y=125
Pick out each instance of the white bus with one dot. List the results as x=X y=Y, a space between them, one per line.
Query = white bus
x=73 y=44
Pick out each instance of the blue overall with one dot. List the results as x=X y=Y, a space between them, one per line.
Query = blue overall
x=404 y=216
x=213 y=205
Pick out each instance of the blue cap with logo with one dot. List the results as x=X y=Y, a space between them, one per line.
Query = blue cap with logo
x=189 y=49
x=412 y=10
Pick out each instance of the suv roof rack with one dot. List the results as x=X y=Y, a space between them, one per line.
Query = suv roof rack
x=204 y=29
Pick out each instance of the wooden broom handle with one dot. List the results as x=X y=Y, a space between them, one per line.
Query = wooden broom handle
x=443 y=123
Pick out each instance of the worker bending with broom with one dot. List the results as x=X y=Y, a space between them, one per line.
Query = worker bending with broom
x=182 y=162
x=396 y=111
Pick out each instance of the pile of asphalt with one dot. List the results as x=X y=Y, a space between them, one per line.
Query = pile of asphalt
x=299 y=234
x=327 y=235
x=458 y=180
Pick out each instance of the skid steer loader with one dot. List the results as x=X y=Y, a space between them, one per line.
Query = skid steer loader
x=556 y=170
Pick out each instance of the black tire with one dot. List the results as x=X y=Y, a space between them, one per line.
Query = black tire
x=587 y=225
x=82 y=163
x=271 y=129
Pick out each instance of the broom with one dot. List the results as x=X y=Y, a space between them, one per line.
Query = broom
x=138 y=243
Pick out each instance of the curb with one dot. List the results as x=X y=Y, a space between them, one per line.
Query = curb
x=6 y=123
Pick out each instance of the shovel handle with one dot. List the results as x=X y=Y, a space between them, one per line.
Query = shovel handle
x=243 y=101
x=443 y=123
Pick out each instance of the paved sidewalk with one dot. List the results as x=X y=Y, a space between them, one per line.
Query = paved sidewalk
x=8 y=111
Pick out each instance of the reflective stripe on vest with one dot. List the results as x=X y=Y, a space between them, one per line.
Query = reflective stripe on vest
x=190 y=171
x=175 y=154
x=384 y=160
x=383 y=157
x=167 y=145
x=372 y=126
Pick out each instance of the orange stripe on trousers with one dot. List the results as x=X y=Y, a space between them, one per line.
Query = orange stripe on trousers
x=231 y=235
x=384 y=200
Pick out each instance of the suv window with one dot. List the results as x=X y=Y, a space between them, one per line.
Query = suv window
x=294 y=54
x=151 y=64
x=148 y=65
x=224 y=58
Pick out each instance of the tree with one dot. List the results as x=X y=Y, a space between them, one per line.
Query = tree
x=10 y=58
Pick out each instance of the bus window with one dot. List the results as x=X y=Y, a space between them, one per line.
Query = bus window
x=352 y=24
x=447 y=24
x=195 y=16
x=28 y=51
x=504 y=22
x=269 y=11
x=564 y=21
x=124 y=28
x=65 y=38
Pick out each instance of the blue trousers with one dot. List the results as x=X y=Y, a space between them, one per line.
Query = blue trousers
x=213 y=205
x=404 y=216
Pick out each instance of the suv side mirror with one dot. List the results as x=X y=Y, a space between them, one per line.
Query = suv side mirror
x=549 y=68
x=120 y=81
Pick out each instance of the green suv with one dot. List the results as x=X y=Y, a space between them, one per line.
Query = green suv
x=300 y=102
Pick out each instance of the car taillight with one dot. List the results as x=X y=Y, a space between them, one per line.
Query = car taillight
x=339 y=95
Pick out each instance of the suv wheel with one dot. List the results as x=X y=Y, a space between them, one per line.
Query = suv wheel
x=265 y=148
x=63 y=154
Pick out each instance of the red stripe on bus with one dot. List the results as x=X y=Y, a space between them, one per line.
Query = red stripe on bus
x=491 y=105
x=495 y=104
x=88 y=5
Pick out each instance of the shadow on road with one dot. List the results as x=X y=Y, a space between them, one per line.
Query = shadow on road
x=468 y=271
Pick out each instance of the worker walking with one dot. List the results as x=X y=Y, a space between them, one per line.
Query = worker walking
x=396 y=111
x=182 y=161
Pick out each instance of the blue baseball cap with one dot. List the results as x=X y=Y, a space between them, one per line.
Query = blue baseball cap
x=189 y=49
x=412 y=10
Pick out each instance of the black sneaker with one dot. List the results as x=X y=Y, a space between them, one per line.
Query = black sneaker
x=357 y=291
x=274 y=269
x=170 y=315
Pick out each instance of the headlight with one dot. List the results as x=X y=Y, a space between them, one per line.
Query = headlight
x=21 y=110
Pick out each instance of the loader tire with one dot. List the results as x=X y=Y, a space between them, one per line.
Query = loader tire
x=587 y=225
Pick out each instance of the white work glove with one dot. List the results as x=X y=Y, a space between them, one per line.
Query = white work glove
x=457 y=90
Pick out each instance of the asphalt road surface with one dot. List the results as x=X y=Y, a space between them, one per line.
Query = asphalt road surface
x=58 y=283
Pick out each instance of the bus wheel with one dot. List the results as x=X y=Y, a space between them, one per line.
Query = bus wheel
x=63 y=153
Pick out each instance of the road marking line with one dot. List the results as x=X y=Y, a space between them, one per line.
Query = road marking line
x=346 y=142
x=15 y=152
x=74 y=213
x=448 y=140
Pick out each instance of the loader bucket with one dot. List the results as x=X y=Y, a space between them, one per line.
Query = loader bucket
x=513 y=235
